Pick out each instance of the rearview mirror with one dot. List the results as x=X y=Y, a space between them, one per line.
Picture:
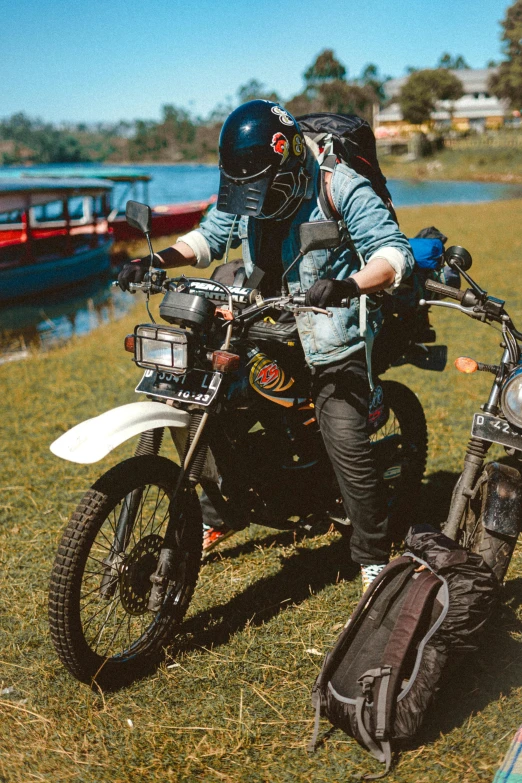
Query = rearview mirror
x=138 y=216
x=319 y=235
x=458 y=257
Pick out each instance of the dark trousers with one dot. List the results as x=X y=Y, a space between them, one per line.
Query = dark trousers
x=341 y=396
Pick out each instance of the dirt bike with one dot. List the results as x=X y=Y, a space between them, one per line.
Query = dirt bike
x=485 y=514
x=234 y=392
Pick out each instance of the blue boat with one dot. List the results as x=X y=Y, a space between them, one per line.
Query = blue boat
x=53 y=234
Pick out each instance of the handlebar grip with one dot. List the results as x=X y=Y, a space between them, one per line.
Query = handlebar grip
x=300 y=300
x=444 y=290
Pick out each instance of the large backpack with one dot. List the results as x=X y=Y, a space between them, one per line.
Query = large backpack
x=423 y=610
x=349 y=139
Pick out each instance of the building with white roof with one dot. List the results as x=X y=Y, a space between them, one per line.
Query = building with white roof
x=477 y=109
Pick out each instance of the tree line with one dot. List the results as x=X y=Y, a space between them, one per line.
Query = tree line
x=179 y=136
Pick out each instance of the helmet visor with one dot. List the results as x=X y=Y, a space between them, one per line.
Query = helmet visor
x=244 y=196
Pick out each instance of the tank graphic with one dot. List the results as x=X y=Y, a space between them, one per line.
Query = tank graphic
x=268 y=379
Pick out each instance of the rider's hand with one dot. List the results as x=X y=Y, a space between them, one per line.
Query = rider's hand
x=331 y=293
x=133 y=272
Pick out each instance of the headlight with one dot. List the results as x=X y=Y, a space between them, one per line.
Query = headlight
x=159 y=348
x=511 y=399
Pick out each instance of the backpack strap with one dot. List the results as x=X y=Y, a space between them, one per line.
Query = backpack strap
x=403 y=563
x=330 y=212
x=382 y=751
x=380 y=698
x=399 y=642
x=325 y=200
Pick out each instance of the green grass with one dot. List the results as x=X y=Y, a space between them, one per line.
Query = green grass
x=488 y=164
x=233 y=701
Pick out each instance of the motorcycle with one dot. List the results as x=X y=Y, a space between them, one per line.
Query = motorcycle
x=485 y=513
x=233 y=390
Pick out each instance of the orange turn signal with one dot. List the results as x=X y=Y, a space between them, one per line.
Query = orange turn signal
x=465 y=364
x=129 y=343
x=224 y=361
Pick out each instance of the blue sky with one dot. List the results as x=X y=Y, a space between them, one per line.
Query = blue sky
x=122 y=59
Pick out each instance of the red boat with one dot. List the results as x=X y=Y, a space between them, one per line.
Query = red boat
x=166 y=219
x=53 y=233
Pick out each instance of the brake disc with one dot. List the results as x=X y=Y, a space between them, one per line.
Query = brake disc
x=135 y=573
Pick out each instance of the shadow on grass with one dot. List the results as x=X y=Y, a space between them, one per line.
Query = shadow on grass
x=432 y=507
x=275 y=538
x=494 y=670
x=435 y=497
x=305 y=571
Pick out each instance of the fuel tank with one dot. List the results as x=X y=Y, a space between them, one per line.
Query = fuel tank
x=271 y=370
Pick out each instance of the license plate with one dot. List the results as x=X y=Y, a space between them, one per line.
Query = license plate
x=488 y=427
x=195 y=386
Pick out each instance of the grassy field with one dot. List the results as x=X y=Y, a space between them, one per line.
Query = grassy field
x=487 y=164
x=232 y=703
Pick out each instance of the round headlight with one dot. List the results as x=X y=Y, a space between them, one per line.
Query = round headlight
x=511 y=399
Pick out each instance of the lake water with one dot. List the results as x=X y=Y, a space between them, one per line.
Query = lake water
x=191 y=182
x=58 y=317
x=171 y=184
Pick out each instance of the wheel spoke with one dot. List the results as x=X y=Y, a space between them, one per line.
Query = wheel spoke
x=93 y=616
x=111 y=628
x=102 y=614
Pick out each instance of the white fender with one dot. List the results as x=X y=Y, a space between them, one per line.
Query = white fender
x=93 y=439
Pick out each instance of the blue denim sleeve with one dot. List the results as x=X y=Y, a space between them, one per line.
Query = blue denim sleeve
x=216 y=228
x=369 y=222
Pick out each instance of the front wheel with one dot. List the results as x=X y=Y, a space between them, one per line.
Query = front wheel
x=100 y=582
x=495 y=550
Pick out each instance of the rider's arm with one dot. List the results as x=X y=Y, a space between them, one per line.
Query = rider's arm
x=377 y=275
x=179 y=254
x=204 y=244
x=376 y=236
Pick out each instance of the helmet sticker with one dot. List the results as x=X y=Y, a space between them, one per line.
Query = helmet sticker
x=297 y=144
x=280 y=145
x=283 y=115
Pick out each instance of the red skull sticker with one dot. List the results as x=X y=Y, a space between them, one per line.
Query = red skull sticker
x=280 y=145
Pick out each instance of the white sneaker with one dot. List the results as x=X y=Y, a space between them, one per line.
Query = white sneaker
x=369 y=572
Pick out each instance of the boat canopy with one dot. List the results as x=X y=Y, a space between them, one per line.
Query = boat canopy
x=114 y=173
x=21 y=194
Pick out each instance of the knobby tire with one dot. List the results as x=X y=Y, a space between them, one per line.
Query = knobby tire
x=82 y=536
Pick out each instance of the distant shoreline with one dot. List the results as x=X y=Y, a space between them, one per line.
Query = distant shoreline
x=422 y=170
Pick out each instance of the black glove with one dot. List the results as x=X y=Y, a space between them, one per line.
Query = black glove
x=330 y=293
x=133 y=272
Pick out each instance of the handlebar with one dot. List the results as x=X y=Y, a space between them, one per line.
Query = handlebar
x=444 y=290
x=248 y=299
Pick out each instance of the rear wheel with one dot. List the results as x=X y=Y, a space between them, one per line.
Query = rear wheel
x=100 y=625
x=401 y=446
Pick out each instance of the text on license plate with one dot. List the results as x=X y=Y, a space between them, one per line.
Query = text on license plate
x=195 y=386
x=488 y=427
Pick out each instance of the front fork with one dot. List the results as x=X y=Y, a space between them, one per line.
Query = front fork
x=149 y=443
x=192 y=465
x=473 y=465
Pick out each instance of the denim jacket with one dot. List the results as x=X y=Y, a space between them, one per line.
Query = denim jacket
x=325 y=340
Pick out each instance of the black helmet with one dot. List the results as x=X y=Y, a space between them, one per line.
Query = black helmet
x=261 y=157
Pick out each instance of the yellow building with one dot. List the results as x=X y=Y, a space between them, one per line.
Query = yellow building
x=476 y=110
